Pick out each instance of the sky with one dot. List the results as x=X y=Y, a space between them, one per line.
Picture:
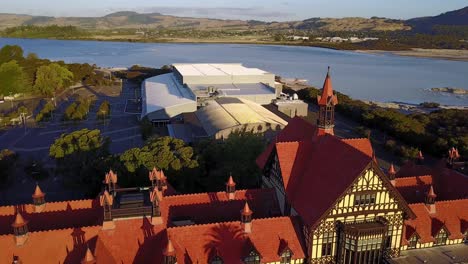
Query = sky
x=265 y=10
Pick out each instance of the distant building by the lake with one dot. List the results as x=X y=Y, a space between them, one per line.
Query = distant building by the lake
x=212 y=100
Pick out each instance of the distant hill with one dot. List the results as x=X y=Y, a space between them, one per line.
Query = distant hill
x=128 y=19
x=453 y=18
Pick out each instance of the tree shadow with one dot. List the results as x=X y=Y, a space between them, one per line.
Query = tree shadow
x=225 y=240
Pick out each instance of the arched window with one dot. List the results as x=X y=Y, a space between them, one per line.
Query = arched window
x=413 y=241
x=216 y=260
x=286 y=256
x=252 y=258
x=441 y=237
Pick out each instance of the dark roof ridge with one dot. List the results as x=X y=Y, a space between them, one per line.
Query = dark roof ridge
x=58 y=229
x=416 y=176
x=46 y=211
x=205 y=193
x=230 y=222
x=442 y=201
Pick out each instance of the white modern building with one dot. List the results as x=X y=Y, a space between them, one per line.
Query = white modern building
x=191 y=85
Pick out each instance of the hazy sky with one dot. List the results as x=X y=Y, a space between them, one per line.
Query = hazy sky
x=267 y=10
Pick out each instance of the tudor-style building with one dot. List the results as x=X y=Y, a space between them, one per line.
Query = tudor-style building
x=349 y=210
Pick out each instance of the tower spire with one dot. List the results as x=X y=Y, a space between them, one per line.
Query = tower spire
x=326 y=103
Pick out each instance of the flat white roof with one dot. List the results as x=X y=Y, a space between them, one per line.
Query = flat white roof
x=214 y=69
x=164 y=91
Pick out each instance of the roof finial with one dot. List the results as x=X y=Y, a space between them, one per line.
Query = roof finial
x=328 y=72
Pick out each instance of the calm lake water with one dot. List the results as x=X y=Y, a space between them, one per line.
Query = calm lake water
x=382 y=78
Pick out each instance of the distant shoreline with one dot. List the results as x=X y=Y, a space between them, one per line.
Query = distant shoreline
x=443 y=54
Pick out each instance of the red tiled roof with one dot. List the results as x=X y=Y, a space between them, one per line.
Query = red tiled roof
x=56 y=215
x=199 y=243
x=132 y=241
x=449 y=214
x=449 y=184
x=414 y=189
x=205 y=208
x=52 y=246
x=327 y=162
x=297 y=129
x=311 y=162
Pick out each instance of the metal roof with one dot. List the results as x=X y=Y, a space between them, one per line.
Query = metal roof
x=164 y=91
x=209 y=69
x=229 y=112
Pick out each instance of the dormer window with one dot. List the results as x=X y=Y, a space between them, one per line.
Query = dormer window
x=286 y=256
x=413 y=241
x=441 y=237
x=364 y=199
x=216 y=260
x=252 y=258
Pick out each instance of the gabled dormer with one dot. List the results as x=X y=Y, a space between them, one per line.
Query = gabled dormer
x=413 y=241
x=441 y=236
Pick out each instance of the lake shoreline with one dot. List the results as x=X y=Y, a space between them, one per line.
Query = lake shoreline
x=442 y=54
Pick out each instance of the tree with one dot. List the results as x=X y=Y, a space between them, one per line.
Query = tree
x=166 y=153
x=77 y=150
x=104 y=110
x=7 y=163
x=12 y=77
x=235 y=155
x=10 y=52
x=50 y=78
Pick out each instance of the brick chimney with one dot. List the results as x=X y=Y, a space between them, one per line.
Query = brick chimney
x=20 y=229
x=89 y=257
x=231 y=188
x=107 y=200
x=430 y=201
x=169 y=253
x=156 y=197
x=392 y=174
x=246 y=218
x=38 y=200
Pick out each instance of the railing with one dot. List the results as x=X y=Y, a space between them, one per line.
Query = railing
x=131 y=212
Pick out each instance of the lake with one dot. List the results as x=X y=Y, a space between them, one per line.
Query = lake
x=382 y=77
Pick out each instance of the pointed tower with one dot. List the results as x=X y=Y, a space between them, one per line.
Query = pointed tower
x=20 y=229
x=430 y=200
x=231 y=188
x=89 y=257
x=38 y=199
x=391 y=172
x=246 y=218
x=169 y=253
x=326 y=103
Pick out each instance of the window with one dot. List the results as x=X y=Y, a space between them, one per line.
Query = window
x=364 y=199
x=252 y=258
x=441 y=237
x=286 y=256
x=413 y=241
x=327 y=243
x=388 y=238
x=217 y=260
